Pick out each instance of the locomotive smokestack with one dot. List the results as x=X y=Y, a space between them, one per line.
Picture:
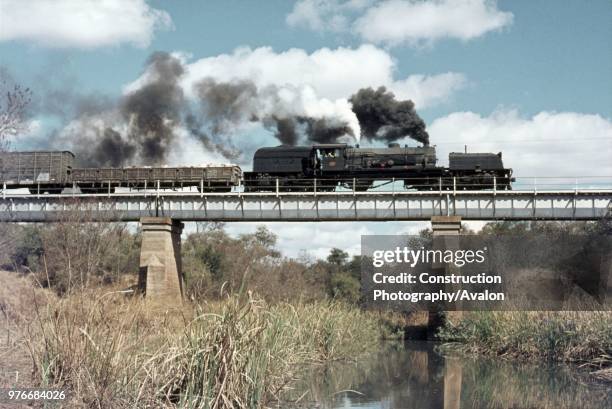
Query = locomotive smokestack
x=383 y=117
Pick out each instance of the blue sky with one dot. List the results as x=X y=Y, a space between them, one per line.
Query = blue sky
x=531 y=78
x=554 y=55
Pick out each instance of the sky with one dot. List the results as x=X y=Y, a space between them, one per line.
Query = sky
x=530 y=78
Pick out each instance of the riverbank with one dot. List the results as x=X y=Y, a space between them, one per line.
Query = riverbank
x=110 y=350
x=579 y=337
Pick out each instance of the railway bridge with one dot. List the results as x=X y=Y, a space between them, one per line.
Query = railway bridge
x=161 y=214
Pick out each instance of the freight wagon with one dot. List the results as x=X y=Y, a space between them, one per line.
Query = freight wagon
x=206 y=178
x=38 y=171
x=52 y=171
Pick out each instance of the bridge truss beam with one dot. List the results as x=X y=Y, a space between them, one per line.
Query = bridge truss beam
x=310 y=206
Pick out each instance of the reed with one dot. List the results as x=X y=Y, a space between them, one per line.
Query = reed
x=583 y=337
x=112 y=351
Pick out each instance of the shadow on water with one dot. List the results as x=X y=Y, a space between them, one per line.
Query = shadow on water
x=415 y=376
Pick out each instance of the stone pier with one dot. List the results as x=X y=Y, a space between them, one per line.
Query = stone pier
x=448 y=227
x=160 y=276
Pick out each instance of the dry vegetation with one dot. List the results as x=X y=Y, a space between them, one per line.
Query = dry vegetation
x=583 y=337
x=225 y=348
x=222 y=350
x=239 y=352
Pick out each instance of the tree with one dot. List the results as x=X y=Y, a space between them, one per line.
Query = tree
x=14 y=100
x=344 y=286
x=354 y=267
x=261 y=243
x=337 y=257
x=265 y=237
x=80 y=250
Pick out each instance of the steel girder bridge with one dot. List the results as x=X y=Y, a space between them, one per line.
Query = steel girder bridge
x=571 y=204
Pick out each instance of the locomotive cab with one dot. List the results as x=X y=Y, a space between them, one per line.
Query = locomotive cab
x=330 y=157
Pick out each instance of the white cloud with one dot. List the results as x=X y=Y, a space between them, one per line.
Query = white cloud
x=547 y=144
x=331 y=73
x=429 y=89
x=395 y=22
x=80 y=23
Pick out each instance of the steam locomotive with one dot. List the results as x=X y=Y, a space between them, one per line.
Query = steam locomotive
x=322 y=167
x=327 y=166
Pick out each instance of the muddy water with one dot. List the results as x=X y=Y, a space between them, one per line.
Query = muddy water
x=414 y=376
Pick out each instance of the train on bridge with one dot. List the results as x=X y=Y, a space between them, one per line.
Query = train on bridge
x=320 y=167
x=327 y=166
x=54 y=171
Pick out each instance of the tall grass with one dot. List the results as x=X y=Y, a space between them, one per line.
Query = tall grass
x=113 y=352
x=571 y=336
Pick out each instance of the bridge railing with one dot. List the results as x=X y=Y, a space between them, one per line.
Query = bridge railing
x=328 y=185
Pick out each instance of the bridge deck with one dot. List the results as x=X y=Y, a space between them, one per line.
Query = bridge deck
x=575 y=204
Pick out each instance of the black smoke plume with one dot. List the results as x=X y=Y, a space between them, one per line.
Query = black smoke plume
x=195 y=128
x=322 y=130
x=143 y=126
x=226 y=105
x=111 y=151
x=154 y=111
x=383 y=117
x=284 y=129
x=139 y=128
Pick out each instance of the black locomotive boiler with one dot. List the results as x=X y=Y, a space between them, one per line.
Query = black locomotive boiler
x=324 y=167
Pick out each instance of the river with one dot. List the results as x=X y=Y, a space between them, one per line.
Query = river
x=414 y=375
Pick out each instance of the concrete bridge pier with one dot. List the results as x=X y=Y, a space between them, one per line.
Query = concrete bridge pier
x=160 y=275
x=444 y=229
